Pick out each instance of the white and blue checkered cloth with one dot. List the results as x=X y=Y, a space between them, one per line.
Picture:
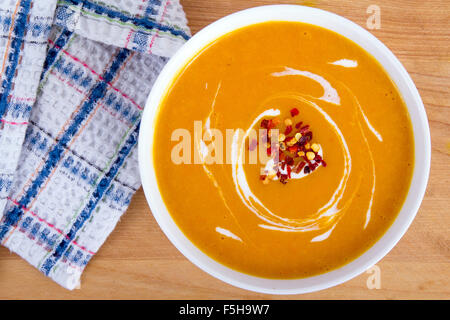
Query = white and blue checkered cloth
x=75 y=75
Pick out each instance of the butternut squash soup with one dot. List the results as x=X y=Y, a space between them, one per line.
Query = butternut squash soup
x=283 y=150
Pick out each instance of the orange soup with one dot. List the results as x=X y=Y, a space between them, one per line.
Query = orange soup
x=283 y=150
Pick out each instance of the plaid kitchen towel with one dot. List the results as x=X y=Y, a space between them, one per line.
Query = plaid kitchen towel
x=75 y=77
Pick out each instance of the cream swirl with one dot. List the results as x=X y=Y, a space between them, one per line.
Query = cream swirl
x=329 y=214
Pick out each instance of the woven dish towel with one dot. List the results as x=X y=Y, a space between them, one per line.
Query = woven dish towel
x=75 y=75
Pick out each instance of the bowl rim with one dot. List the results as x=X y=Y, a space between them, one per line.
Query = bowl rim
x=347 y=29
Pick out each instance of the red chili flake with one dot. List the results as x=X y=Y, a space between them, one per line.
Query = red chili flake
x=318 y=158
x=288 y=130
x=294 y=112
x=324 y=163
x=293 y=149
x=269 y=151
x=309 y=135
x=299 y=167
x=303 y=140
x=264 y=123
x=298 y=125
x=307 y=160
x=271 y=124
x=304 y=129
x=283 y=178
x=262 y=177
x=289 y=161
x=283 y=165
x=307 y=170
x=289 y=171
x=252 y=145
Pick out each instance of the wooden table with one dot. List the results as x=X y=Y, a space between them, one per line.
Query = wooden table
x=137 y=261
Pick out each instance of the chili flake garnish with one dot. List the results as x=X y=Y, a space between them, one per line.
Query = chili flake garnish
x=295 y=148
x=288 y=130
x=294 y=112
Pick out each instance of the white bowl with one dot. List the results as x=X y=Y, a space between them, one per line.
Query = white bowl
x=397 y=73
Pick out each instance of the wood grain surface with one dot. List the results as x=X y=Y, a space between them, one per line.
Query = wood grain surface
x=138 y=262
